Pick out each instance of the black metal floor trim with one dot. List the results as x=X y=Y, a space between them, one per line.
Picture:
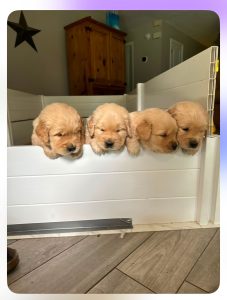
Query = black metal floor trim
x=73 y=226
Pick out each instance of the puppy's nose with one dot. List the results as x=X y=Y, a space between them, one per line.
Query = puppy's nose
x=109 y=144
x=193 y=143
x=71 y=148
x=174 y=145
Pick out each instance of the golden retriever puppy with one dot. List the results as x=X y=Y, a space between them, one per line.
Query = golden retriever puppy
x=59 y=130
x=192 y=121
x=153 y=129
x=107 y=128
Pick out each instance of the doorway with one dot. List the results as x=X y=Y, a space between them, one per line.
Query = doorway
x=176 y=53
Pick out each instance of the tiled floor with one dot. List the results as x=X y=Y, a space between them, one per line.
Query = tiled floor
x=180 y=261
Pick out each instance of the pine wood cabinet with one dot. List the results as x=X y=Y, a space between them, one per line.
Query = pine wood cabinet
x=96 y=58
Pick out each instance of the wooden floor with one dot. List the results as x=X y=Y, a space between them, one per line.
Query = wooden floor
x=180 y=261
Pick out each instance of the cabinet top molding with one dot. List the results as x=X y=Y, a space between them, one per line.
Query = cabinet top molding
x=90 y=20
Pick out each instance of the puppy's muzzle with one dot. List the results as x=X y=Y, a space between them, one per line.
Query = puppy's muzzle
x=109 y=144
x=71 y=148
x=193 y=144
x=174 y=145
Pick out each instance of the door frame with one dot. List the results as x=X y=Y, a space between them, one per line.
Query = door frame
x=130 y=45
x=171 y=41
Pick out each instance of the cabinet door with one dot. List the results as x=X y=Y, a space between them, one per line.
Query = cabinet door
x=77 y=54
x=117 y=59
x=99 y=47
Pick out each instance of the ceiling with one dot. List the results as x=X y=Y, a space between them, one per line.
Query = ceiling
x=203 y=26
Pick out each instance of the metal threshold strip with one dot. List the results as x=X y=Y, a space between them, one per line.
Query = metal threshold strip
x=73 y=226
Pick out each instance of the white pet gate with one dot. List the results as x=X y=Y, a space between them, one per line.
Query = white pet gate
x=154 y=190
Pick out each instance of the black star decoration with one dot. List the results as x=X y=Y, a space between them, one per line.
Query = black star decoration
x=24 y=32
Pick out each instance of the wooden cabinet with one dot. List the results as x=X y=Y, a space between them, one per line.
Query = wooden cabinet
x=96 y=58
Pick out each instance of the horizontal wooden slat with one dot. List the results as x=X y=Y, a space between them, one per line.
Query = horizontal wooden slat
x=23 y=106
x=31 y=160
x=195 y=92
x=102 y=187
x=82 y=99
x=21 y=132
x=85 y=105
x=194 y=69
x=141 y=211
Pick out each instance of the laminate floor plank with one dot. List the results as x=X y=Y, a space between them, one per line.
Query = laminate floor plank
x=206 y=272
x=35 y=252
x=188 y=288
x=163 y=261
x=118 y=283
x=80 y=267
x=9 y=242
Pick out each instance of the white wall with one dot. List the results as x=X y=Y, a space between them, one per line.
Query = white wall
x=44 y=72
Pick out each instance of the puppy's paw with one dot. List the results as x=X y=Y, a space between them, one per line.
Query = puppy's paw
x=51 y=154
x=77 y=155
x=96 y=148
x=133 y=146
x=190 y=151
x=98 y=151
x=134 y=151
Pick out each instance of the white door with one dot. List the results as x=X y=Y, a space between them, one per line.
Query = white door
x=176 y=53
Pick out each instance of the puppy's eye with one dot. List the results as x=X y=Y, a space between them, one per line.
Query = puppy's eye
x=58 y=134
x=102 y=129
x=186 y=129
x=118 y=130
x=163 y=135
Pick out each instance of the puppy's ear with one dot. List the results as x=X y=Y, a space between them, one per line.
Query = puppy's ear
x=172 y=111
x=42 y=131
x=91 y=126
x=128 y=127
x=144 y=130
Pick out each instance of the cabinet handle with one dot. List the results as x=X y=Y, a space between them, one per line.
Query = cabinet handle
x=104 y=62
x=91 y=79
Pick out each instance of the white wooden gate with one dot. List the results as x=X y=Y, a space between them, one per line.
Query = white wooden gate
x=150 y=188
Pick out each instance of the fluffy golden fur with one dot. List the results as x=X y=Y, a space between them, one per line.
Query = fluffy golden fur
x=192 y=122
x=59 y=131
x=107 y=128
x=154 y=129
